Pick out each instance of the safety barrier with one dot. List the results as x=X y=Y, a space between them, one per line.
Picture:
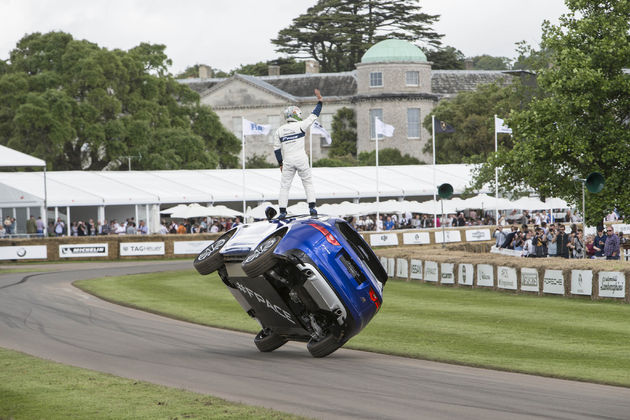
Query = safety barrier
x=109 y=247
x=601 y=282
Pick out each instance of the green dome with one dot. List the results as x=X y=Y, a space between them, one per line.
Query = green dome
x=393 y=50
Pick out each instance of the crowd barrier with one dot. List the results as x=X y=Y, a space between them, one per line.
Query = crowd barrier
x=110 y=247
x=597 y=283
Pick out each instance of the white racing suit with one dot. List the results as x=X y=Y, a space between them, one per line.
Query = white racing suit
x=289 y=149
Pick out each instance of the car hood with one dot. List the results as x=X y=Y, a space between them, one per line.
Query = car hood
x=248 y=236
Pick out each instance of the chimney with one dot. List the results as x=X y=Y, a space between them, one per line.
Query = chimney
x=273 y=70
x=468 y=64
x=311 y=66
x=205 y=72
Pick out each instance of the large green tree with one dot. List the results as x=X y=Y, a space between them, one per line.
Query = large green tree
x=79 y=106
x=446 y=58
x=580 y=125
x=344 y=134
x=472 y=115
x=337 y=33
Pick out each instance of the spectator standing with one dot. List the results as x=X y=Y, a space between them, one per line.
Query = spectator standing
x=7 y=225
x=577 y=245
x=552 y=247
x=105 y=228
x=611 y=248
x=612 y=217
x=40 y=226
x=588 y=245
x=131 y=228
x=163 y=228
x=81 y=228
x=31 y=225
x=499 y=236
x=59 y=227
x=90 y=228
x=622 y=239
x=181 y=229
x=599 y=242
x=562 y=241
x=528 y=246
x=142 y=228
x=389 y=224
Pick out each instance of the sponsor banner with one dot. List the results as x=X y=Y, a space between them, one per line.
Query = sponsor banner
x=415 y=269
x=141 y=248
x=391 y=266
x=449 y=236
x=190 y=247
x=26 y=252
x=384 y=262
x=417 y=238
x=402 y=268
x=485 y=275
x=553 y=282
x=478 y=235
x=529 y=280
x=612 y=284
x=581 y=282
x=505 y=251
x=383 y=239
x=430 y=271
x=620 y=227
x=447 y=274
x=83 y=250
x=506 y=278
x=465 y=274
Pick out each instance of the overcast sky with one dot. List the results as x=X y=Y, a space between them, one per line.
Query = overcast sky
x=227 y=33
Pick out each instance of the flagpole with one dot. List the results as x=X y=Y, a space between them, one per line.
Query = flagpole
x=434 y=183
x=496 y=173
x=243 y=159
x=377 y=185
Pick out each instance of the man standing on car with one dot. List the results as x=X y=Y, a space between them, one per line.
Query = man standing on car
x=289 y=149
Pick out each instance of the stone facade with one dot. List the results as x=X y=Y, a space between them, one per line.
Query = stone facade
x=404 y=94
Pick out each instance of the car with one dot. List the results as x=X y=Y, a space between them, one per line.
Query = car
x=304 y=278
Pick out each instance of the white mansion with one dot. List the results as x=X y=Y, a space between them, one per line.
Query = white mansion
x=394 y=81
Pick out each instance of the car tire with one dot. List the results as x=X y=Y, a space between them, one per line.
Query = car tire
x=267 y=340
x=210 y=259
x=262 y=258
x=323 y=347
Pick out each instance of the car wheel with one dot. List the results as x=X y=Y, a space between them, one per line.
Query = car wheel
x=261 y=259
x=267 y=340
x=210 y=259
x=323 y=347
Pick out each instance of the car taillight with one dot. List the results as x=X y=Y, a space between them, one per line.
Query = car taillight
x=374 y=298
x=329 y=236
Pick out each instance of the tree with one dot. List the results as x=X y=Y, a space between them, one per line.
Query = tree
x=258 y=161
x=337 y=33
x=530 y=59
x=488 y=62
x=472 y=115
x=387 y=156
x=580 y=125
x=447 y=58
x=79 y=106
x=344 y=134
x=287 y=66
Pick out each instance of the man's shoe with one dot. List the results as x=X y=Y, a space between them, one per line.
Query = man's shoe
x=282 y=215
x=313 y=211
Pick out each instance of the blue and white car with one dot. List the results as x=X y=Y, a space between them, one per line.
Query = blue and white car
x=309 y=279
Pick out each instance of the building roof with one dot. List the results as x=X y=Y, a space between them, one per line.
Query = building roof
x=302 y=85
x=110 y=188
x=396 y=50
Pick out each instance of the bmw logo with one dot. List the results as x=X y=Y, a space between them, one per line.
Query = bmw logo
x=21 y=252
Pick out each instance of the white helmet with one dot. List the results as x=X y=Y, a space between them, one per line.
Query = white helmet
x=293 y=113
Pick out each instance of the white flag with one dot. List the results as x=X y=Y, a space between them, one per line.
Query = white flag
x=250 y=128
x=500 y=127
x=382 y=128
x=317 y=128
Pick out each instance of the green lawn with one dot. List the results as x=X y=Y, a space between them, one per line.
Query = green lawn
x=552 y=336
x=31 y=388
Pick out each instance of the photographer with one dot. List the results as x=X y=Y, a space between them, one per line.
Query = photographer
x=551 y=244
x=577 y=245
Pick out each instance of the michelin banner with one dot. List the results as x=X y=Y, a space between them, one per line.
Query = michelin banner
x=83 y=250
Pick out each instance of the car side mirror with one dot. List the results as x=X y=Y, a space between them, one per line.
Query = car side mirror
x=270 y=213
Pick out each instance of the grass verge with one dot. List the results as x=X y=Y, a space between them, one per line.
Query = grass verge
x=552 y=336
x=33 y=388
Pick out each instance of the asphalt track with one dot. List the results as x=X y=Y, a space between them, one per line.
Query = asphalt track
x=44 y=315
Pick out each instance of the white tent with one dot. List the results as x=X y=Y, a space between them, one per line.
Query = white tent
x=13 y=158
x=196 y=210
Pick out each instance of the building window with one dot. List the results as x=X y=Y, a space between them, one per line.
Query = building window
x=413 y=123
x=412 y=78
x=375 y=113
x=376 y=79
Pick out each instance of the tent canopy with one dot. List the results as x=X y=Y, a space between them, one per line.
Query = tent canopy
x=10 y=157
